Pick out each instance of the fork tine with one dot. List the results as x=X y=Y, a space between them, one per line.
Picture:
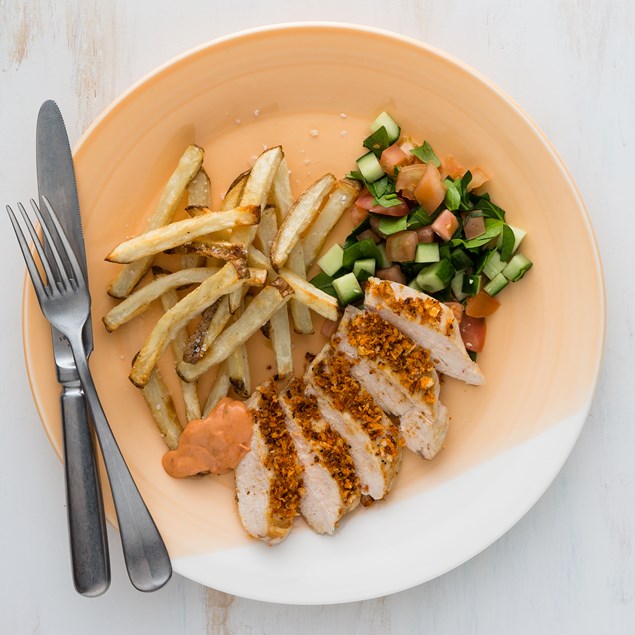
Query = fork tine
x=38 y=246
x=69 y=252
x=36 y=278
x=63 y=278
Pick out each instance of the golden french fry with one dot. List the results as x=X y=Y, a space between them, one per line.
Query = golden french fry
x=267 y=229
x=161 y=406
x=256 y=192
x=300 y=216
x=340 y=199
x=220 y=388
x=224 y=251
x=181 y=232
x=163 y=214
x=281 y=196
x=140 y=300
x=280 y=335
x=213 y=321
x=283 y=200
x=189 y=390
x=311 y=296
x=264 y=305
x=238 y=367
x=199 y=190
x=235 y=191
x=199 y=197
x=191 y=306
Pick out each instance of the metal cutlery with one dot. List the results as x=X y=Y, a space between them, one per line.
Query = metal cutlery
x=65 y=301
x=84 y=505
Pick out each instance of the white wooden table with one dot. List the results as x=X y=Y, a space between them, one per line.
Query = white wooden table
x=569 y=566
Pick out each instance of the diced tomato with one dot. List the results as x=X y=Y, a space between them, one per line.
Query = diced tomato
x=407 y=145
x=445 y=224
x=374 y=225
x=425 y=234
x=479 y=177
x=451 y=167
x=394 y=274
x=481 y=305
x=358 y=214
x=369 y=233
x=408 y=179
x=473 y=226
x=394 y=157
x=328 y=328
x=473 y=332
x=396 y=210
x=365 y=200
x=430 y=190
x=457 y=309
x=401 y=247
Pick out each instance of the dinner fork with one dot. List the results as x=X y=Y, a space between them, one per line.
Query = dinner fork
x=65 y=301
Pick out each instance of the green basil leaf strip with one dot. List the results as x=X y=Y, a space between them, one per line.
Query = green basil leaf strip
x=489 y=209
x=452 y=195
x=356 y=175
x=426 y=154
x=508 y=241
x=419 y=218
x=377 y=142
x=466 y=202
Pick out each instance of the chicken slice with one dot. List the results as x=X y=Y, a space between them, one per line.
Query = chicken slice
x=269 y=485
x=398 y=374
x=375 y=441
x=331 y=485
x=430 y=323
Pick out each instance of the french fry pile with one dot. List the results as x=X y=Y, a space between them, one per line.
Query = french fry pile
x=260 y=240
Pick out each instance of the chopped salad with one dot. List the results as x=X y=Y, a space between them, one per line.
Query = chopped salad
x=420 y=221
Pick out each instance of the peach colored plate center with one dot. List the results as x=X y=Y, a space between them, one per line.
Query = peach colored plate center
x=314 y=90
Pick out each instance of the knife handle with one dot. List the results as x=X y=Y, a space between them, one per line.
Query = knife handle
x=85 y=508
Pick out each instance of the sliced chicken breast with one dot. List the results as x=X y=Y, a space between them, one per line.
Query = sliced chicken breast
x=428 y=322
x=331 y=485
x=398 y=374
x=269 y=485
x=375 y=441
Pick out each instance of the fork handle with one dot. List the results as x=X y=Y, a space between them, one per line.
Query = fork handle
x=145 y=554
x=84 y=505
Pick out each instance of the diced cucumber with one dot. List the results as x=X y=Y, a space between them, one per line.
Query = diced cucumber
x=392 y=129
x=347 y=289
x=519 y=235
x=324 y=282
x=435 y=277
x=364 y=269
x=460 y=260
x=494 y=264
x=471 y=284
x=427 y=252
x=518 y=266
x=390 y=225
x=457 y=286
x=382 y=261
x=359 y=250
x=413 y=284
x=496 y=285
x=331 y=261
x=370 y=167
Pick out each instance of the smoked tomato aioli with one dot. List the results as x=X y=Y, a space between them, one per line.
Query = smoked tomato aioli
x=215 y=444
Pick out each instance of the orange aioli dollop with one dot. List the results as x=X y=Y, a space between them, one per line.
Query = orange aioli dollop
x=215 y=444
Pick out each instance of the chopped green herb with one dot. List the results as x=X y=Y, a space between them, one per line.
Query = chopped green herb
x=377 y=142
x=452 y=194
x=426 y=154
x=419 y=218
x=507 y=243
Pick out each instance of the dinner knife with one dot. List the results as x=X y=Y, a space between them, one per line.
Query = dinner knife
x=85 y=510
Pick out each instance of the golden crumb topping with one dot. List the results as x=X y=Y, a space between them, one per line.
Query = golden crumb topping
x=424 y=310
x=329 y=447
x=375 y=338
x=332 y=374
x=287 y=487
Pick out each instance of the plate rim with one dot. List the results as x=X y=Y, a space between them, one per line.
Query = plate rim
x=577 y=420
